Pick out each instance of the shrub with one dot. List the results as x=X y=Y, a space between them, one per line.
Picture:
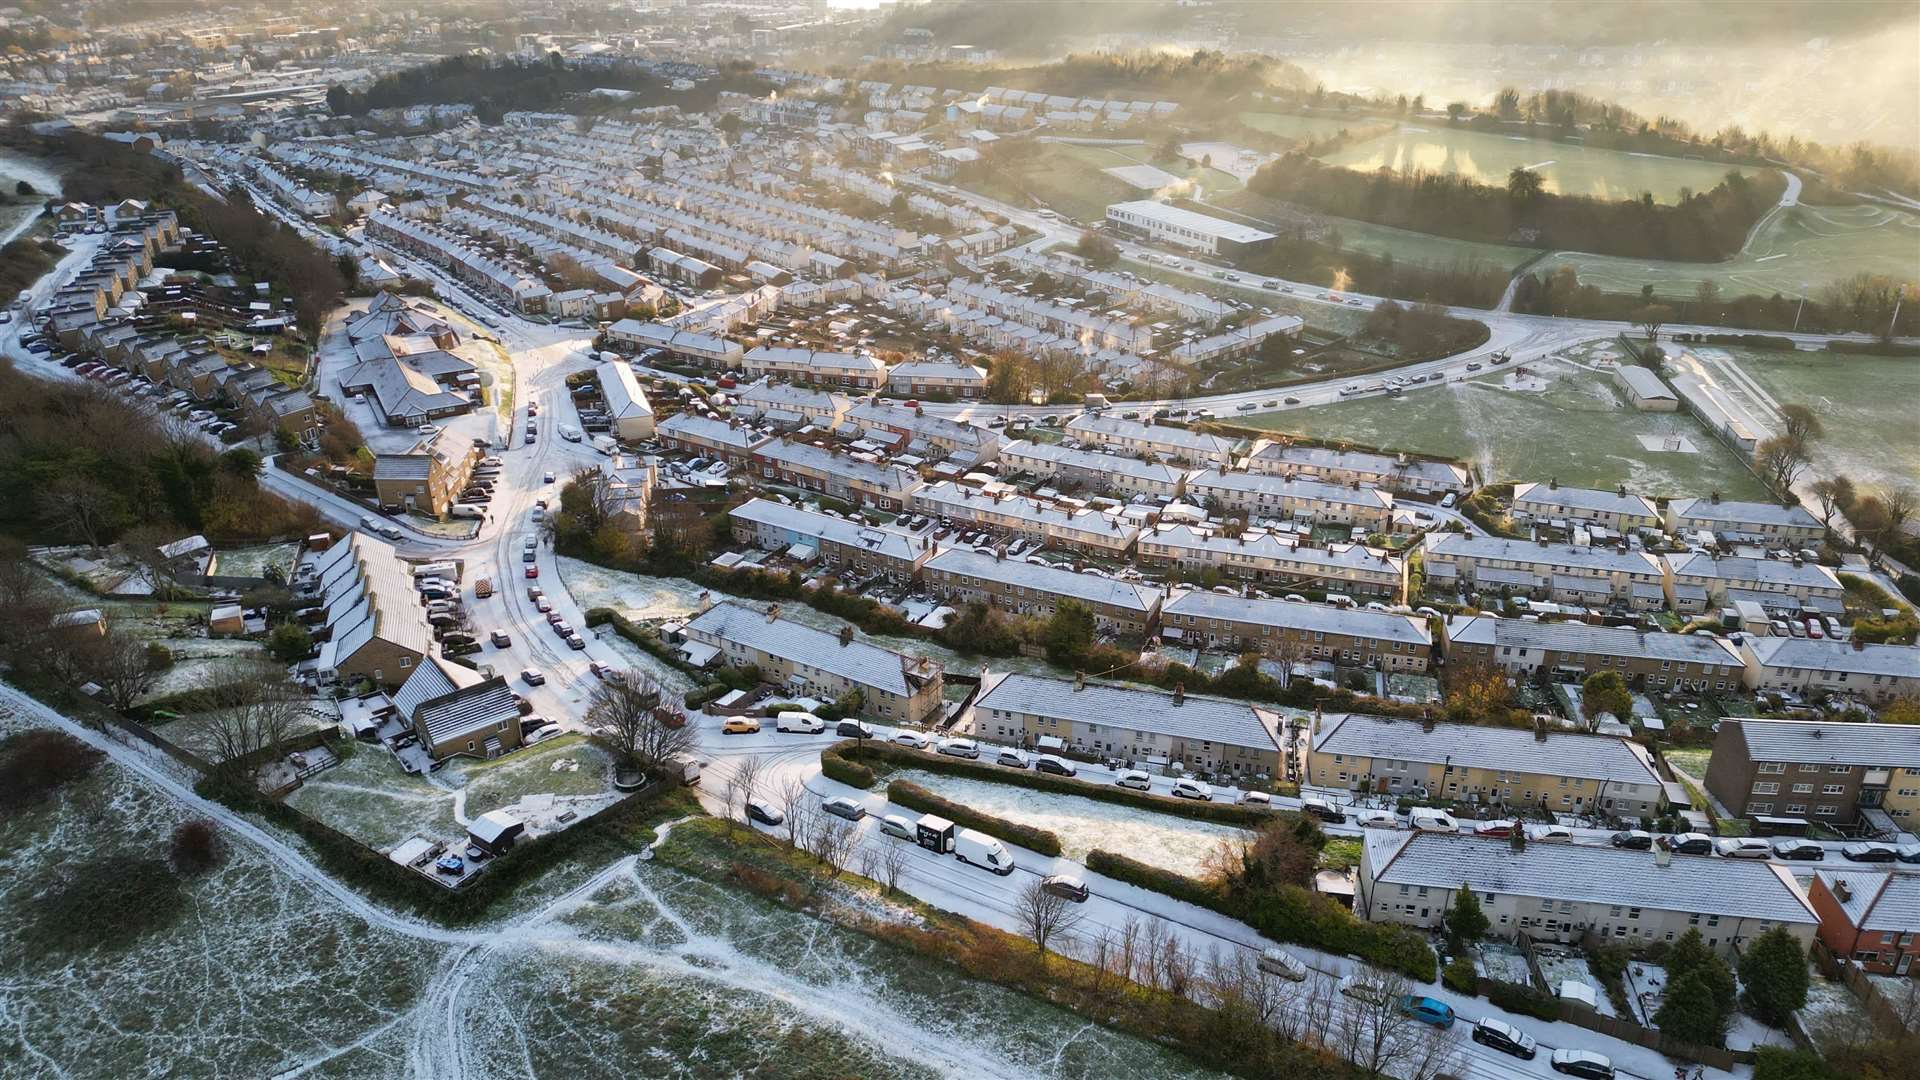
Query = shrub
x=1459 y=975
x=915 y=797
x=837 y=767
x=1292 y=913
x=34 y=764
x=1524 y=1000
x=1179 y=886
x=699 y=698
x=197 y=847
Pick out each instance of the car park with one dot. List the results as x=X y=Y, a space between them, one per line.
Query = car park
x=1504 y=1037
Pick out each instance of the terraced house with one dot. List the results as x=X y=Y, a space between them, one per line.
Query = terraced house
x=1023 y=588
x=1416 y=476
x=1495 y=766
x=1754 y=522
x=1258 y=495
x=804 y=661
x=1093 y=470
x=837 y=476
x=1576 y=892
x=1194 y=448
x=1147 y=727
x=1819 y=770
x=1058 y=524
x=370 y=621
x=1585 y=575
x=837 y=543
x=1570 y=651
x=1783 y=586
x=1549 y=503
x=1279 y=559
x=1290 y=631
x=1813 y=668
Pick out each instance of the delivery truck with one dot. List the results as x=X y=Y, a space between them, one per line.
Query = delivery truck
x=978 y=849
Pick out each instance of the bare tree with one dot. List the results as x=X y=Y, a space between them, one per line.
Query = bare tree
x=1369 y=1022
x=833 y=841
x=255 y=714
x=741 y=783
x=1045 y=915
x=1835 y=494
x=892 y=865
x=119 y=661
x=1780 y=461
x=1429 y=1052
x=793 y=803
x=640 y=721
x=1898 y=504
x=80 y=507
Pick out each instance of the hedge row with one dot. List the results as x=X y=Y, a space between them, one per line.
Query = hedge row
x=914 y=797
x=837 y=767
x=1524 y=1000
x=1246 y=816
x=623 y=626
x=1288 y=913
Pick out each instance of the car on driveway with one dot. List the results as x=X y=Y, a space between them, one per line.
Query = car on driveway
x=843 y=806
x=1505 y=1038
x=740 y=725
x=551 y=731
x=533 y=678
x=1066 y=886
x=1427 y=1010
x=763 y=812
x=1798 y=850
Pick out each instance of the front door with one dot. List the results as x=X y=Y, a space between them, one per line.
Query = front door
x=1906 y=961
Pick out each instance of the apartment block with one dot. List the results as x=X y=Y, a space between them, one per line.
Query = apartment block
x=1814 y=770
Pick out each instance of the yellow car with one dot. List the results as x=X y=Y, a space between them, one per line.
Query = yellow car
x=740 y=725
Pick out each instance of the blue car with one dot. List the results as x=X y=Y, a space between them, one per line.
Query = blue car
x=1427 y=1010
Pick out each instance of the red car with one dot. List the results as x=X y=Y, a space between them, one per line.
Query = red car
x=1493 y=828
x=533 y=571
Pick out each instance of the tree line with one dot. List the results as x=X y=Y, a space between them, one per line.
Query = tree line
x=1868 y=303
x=1700 y=227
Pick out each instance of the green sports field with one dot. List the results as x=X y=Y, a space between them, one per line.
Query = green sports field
x=1567 y=168
x=1865 y=403
x=1795 y=252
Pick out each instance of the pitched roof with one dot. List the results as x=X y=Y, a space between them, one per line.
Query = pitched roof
x=1234 y=723
x=1573 y=498
x=1579 y=637
x=1831 y=742
x=1826 y=654
x=1744 y=513
x=1587 y=873
x=467 y=710
x=856 y=661
x=1877 y=900
x=1048 y=579
x=1322 y=618
x=1593 y=757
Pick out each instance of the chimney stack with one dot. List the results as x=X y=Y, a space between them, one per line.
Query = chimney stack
x=1661 y=856
x=1079 y=680
x=1539 y=728
x=1842 y=891
x=1179 y=693
x=846 y=636
x=773 y=613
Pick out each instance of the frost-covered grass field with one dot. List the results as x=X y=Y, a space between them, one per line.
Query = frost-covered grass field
x=506 y=780
x=1864 y=402
x=1171 y=843
x=370 y=799
x=256 y=561
x=245 y=973
x=1580 y=429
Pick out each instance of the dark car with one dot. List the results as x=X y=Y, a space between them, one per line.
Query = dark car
x=764 y=813
x=501 y=640
x=1505 y=1038
x=1047 y=763
x=533 y=678
x=1633 y=839
x=1067 y=886
x=1799 y=850
x=1868 y=853
x=1688 y=844
x=853 y=729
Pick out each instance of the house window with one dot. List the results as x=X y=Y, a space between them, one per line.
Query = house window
x=1766 y=789
x=1833 y=789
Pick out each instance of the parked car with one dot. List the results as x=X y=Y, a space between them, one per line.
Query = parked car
x=1428 y=819
x=1742 y=847
x=1187 y=788
x=897 y=826
x=533 y=572
x=960 y=748
x=763 y=812
x=1357 y=989
x=1067 y=886
x=1376 y=819
x=1318 y=807
x=1550 y=834
x=1277 y=961
x=1504 y=1037
x=501 y=640
x=1058 y=766
x=1691 y=843
x=533 y=678
x=551 y=731
x=1496 y=827
x=1907 y=853
x=915 y=739
x=740 y=725
x=1633 y=839
x=576 y=642
x=1799 y=850
x=1134 y=779
x=1011 y=758
x=1427 y=1010
x=1584 y=1064
x=844 y=806
x=1868 y=853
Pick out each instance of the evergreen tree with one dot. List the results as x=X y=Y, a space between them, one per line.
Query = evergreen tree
x=1689 y=1011
x=1691 y=956
x=1465 y=920
x=1774 y=974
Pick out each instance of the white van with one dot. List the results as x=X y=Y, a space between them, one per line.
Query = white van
x=1280 y=962
x=1186 y=788
x=1428 y=819
x=1135 y=779
x=570 y=434
x=978 y=849
x=467 y=510
x=804 y=723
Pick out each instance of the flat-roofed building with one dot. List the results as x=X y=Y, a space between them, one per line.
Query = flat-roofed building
x=802 y=660
x=1023 y=588
x=1555 y=771
x=1416 y=476
x=1292 y=632
x=1571 y=651
x=1262 y=495
x=1187 y=228
x=1569 y=892
x=1616 y=510
x=1207 y=735
x=1815 y=770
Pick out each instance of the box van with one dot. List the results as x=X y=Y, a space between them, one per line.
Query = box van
x=1186 y=788
x=978 y=849
x=1427 y=819
x=1135 y=779
x=805 y=723
x=1282 y=963
x=1011 y=758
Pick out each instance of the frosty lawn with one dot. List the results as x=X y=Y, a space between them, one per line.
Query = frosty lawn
x=1163 y=840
